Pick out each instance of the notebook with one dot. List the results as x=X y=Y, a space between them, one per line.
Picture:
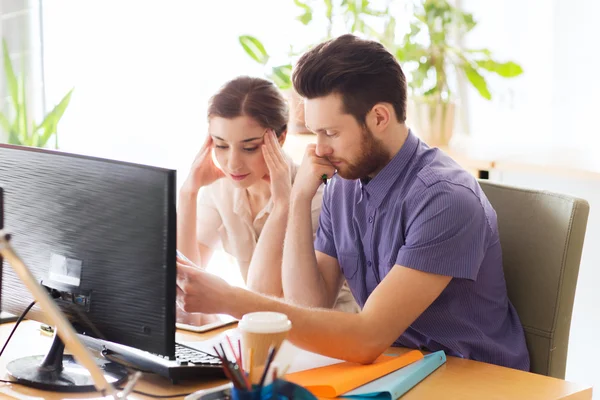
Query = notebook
x=397 y=383
x=334 y=380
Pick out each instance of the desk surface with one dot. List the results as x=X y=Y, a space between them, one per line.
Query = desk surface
x=457 y=379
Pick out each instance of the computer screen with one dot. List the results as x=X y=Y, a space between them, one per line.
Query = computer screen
x=101 y=234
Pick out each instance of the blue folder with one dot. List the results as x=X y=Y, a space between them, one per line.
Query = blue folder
x=397 y=383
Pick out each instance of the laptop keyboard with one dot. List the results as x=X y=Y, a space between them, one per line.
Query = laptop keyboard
x=186 y=355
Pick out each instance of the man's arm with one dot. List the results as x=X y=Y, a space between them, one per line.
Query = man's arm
x=311 y=279
x=398 y=300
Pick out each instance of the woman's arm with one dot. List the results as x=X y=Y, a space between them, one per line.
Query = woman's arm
x=264 y=272
x=202 y=173
x=187 y=239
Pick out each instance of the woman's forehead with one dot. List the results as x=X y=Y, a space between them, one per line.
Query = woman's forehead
x=235 y=129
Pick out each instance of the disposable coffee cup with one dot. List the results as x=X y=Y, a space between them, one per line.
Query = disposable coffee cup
x=260 y=331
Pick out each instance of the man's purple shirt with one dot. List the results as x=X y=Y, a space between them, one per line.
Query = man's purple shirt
x=423 y=211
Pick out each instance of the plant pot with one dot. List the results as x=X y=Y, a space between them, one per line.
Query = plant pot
x=296 y=123
x=431 y=120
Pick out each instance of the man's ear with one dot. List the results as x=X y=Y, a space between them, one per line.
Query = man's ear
x=379 y=117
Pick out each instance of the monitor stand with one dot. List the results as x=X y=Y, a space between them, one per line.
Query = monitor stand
x=59 y=372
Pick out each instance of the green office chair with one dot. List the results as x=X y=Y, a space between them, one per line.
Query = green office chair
x=542 y=237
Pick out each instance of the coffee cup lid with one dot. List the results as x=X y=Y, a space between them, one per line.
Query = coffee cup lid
x=265 y=322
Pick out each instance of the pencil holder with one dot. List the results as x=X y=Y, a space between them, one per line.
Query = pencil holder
x=244 y=394
x=278 y=390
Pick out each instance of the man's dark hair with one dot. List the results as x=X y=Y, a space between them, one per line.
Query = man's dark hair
x=362 y=71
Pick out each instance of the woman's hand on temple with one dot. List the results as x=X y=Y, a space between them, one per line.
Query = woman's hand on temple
x=279 y=169
x=203 y=171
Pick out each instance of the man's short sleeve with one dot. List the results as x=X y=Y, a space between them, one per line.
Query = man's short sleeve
x=208 y=219
x=324 y=241
x=447 y=232
x=315 y=210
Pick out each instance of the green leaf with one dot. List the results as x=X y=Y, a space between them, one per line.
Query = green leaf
x=477 y=81
x=374 y=13
x=4 y=123
x=50 y=123
x=306 y=17
x=254 y=48
x=418 y=76
x=389 y=31
x=468 y=20
x=431 y=92
x=329 y=9
x=281 y=75
x=13 y=138
x=11 y=79
x=46 y=129
x=371 y=32
x=34 y=141
x=506 y=70
x=24 y=124
x=16 y=127
x=411 y=52
x=485 y=52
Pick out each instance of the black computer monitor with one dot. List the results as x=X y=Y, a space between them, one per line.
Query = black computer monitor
x=101 y=236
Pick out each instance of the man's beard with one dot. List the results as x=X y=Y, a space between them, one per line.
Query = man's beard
x=372 y=158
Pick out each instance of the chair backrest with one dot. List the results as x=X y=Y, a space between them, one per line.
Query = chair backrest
x=542 y=237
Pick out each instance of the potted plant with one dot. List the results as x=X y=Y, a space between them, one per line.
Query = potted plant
x=281 y=76
x=427 y=51
x=20 y=129
x=354 y=15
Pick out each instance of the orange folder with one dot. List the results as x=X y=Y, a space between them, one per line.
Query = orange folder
x=334 y=380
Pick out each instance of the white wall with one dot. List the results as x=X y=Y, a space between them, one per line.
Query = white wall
x=143 y=71
x=576 y=79
x=554 y=101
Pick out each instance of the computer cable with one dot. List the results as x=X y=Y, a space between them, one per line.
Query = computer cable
x=21 y=317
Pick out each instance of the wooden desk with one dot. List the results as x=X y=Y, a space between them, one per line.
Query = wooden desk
x=457 y=379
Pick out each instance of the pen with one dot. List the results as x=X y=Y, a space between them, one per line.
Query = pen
x=324 y=178
x=267 y=365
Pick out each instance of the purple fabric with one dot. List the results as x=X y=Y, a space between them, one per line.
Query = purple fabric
x=423 y=211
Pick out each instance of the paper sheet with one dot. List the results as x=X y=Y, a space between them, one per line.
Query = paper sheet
x=289 y=358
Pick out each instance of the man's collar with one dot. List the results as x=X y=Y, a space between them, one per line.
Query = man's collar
x=379 y=186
